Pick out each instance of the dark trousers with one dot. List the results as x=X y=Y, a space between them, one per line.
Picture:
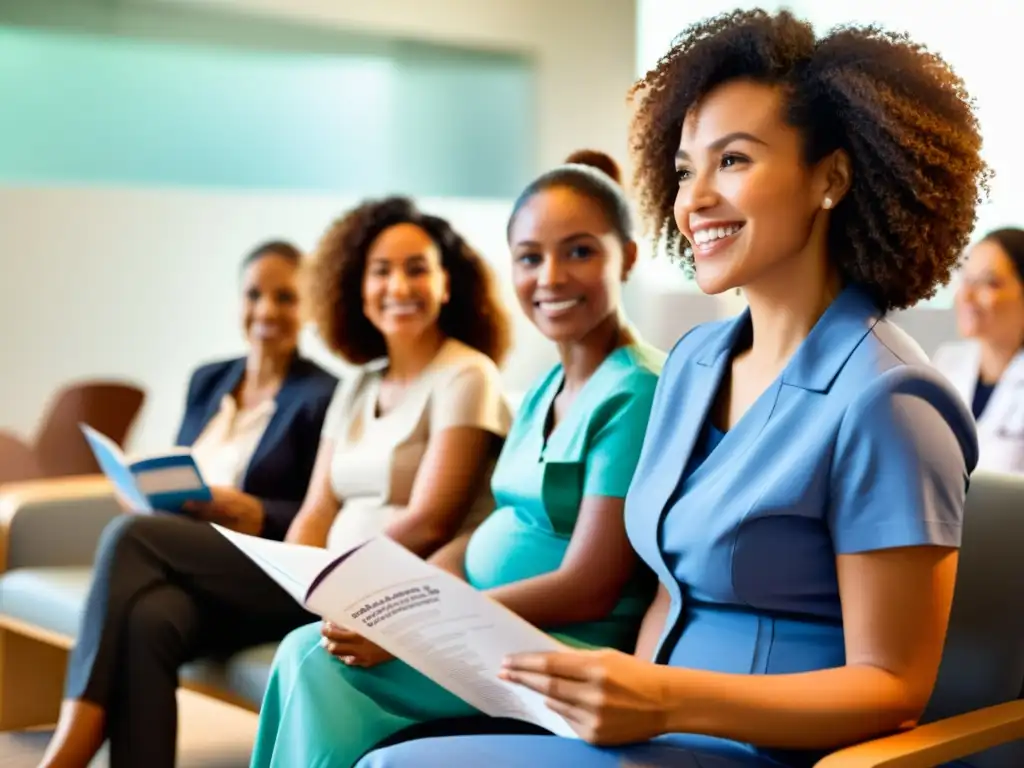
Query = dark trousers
x=165 y=591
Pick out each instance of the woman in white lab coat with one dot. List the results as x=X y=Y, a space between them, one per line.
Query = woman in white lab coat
x=987 y=367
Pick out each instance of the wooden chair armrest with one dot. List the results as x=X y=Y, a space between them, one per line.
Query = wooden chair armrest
x=58 y=514
x=15 y=495
x=936 y=743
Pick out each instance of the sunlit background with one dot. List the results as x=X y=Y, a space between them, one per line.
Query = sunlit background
x=146 y=145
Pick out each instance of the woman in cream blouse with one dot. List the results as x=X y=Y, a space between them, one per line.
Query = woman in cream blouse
x=375 y=456
x=408 y=444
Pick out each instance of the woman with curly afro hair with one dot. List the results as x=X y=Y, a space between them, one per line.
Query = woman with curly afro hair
x=801 y=488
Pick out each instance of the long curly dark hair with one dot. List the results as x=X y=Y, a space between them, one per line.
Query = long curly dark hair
x=900 y=113
x=474 y=314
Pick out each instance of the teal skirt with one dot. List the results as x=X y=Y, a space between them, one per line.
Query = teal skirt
x=321 y=713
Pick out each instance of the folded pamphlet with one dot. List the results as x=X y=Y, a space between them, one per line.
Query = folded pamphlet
x=159 y=482
x=425 y=616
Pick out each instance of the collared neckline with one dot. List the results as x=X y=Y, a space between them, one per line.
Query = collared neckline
x=820 y=357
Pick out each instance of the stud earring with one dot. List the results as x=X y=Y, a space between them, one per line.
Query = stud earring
x=827 y=204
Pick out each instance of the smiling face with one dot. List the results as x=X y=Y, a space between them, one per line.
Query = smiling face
x=990 y=300
x=747 y=202
x=404 y=285
x=270 y=304
x=568 y=263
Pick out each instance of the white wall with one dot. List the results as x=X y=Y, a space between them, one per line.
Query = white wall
x=142 y=284
x=585 y=51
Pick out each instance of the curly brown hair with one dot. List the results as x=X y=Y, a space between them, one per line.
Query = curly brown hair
x=474 y=314
x=899 y=112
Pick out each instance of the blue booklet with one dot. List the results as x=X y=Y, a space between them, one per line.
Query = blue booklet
x=163 y=482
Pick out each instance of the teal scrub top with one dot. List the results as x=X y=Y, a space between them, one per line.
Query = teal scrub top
x=538 y=485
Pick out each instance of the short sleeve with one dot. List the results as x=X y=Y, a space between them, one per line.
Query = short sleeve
x=472 y=397
x=614 y=450
x=340 y=407
x=899 y=476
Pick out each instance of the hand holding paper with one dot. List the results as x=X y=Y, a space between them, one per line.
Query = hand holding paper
x=351 y=648
x=609 y=697
x=428 y=618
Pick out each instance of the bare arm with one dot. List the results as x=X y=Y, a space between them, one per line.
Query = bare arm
x=896 y=607
x=596 y=566
x=895 y=601
x=313 y=521
x=450 y=477
x=452 y=556
x=653 y=625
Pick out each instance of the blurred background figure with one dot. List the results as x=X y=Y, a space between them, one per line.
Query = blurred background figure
x=987 y=366
x=254 y=422
x=161 y=594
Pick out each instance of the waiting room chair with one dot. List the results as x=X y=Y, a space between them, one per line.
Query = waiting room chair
x=976 y=703
x=17 y=460
x=108 y=406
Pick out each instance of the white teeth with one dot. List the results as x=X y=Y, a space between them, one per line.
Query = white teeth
x=558 y=306
x=404 y=308
x=705 y=236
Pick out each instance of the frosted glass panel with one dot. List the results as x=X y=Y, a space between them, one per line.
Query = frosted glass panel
x=82 y=108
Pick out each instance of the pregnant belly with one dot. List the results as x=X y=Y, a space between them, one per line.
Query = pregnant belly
x=722 y=639
x=505 y=549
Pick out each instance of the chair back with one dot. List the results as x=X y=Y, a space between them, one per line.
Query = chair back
x=108 y=406
x=17 y=460
x=983 y=659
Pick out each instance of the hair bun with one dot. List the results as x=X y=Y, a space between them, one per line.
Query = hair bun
x=599 y=160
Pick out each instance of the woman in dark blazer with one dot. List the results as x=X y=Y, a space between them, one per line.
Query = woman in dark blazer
x=278 y=470
x=168 y=588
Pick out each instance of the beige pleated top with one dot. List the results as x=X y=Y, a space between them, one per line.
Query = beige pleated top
x=376 y=458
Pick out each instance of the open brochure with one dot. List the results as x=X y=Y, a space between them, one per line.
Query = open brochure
x=428 y=618
x=163 y=481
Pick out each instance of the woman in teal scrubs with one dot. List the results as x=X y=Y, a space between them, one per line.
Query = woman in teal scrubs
x=801 y=489
x=555 y=550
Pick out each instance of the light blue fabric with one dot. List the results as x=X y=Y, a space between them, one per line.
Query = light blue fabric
x=684 y=751
x=859 y=445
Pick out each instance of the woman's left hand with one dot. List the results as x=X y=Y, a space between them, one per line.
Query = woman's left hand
x=352 y=649
x=231 y=508
x=609 y=698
